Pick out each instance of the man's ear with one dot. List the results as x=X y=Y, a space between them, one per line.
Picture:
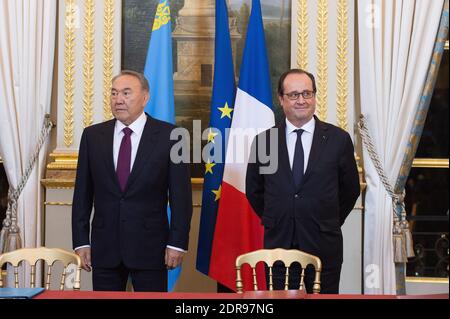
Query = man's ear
x=280 y=100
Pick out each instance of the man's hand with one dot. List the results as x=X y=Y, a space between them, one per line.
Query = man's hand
x=85 y=255
x=173 y=258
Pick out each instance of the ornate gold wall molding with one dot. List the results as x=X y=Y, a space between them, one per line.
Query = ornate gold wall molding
x=58 y=183
x=108 y=57
x=302 y=35
x=88 y=66
x=342 y=65
x=69 y=72
x=63 y=161
x=61 y=172
x=89 y=47
x=194 y=205
x=427 y=280
x=67 y=181
x=57 y=204
x=322 y=59
x=330 y=47
x=431 y=163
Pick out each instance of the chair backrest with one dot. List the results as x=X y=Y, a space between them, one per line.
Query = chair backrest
x=50 y=256
x=270 y=256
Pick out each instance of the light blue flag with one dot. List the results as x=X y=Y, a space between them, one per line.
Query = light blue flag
x=158 y=66
x=159 y=72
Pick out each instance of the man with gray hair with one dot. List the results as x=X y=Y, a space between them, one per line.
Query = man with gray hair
x=126 y=174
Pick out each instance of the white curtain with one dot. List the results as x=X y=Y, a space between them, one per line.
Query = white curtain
x=396 y=40
x=27 y=46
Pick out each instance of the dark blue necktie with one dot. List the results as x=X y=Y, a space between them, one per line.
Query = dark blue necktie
x=124 y=160
x=299 y=159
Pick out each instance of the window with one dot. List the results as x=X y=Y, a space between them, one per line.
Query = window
x=427 y=187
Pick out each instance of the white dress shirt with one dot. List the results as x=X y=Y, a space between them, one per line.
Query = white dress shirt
x=137 y=127
x=307 y=139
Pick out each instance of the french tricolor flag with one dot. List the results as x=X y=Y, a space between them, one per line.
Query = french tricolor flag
x=238 y=229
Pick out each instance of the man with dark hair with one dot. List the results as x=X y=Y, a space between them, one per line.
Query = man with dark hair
x=305 y=202
x=125 y=172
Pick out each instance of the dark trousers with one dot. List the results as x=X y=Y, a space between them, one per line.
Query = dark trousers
x=329 y=278
x=115 y=279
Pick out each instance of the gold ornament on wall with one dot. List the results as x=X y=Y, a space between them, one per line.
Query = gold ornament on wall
x=342 y=65
x=322 y=59
x=108 y=56
x=302 y=35
x=69 y=72
x=88 y=66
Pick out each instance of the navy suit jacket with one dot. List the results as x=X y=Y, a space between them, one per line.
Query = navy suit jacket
x=311 y=215
x=131 y=226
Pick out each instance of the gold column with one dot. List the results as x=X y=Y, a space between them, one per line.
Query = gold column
x=322 y=60
x=69 y=72
x=302 y=35
x=89 y=50
x=88 y=66
x=342 y=65
x=108 y=57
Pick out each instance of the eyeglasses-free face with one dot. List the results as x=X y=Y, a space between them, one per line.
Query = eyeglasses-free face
x=128 y=99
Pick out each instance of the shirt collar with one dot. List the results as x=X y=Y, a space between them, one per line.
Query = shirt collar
x=308 y=127
x=137 y=126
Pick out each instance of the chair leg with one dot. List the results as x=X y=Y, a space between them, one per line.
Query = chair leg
x=316 y=286
x=63 y=279
x=255 y=281
x=270 y=279
x=302 y=280
x=286 y=279
x=33 y=276
x=49 y=274
x=16 y=277
x=239 y=285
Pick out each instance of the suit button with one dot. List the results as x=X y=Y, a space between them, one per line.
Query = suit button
x=297 y=196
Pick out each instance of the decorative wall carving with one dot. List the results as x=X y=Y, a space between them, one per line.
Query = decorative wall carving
x=323 y=44
x=302 y=35
x=69 y=71
x=322 y=60
x=342 y=65
x=88 y=66
x=108 y=56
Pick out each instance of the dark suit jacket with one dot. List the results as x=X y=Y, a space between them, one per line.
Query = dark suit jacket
x=311 y=215
x=131 y=226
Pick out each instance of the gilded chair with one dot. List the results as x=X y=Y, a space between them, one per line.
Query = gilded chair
x=269 y=257
x=50 y=256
